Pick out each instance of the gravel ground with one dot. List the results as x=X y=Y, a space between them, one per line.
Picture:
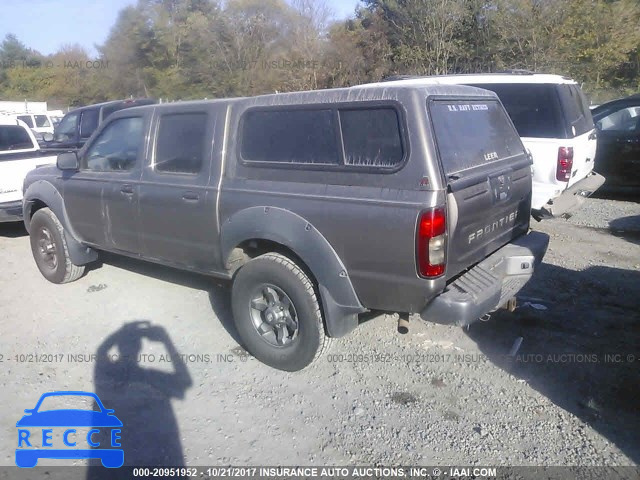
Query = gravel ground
x=439 y=395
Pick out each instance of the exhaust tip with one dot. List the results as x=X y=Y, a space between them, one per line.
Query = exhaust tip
x=403 y=324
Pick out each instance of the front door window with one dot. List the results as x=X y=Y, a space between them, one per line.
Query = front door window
x=117 y=147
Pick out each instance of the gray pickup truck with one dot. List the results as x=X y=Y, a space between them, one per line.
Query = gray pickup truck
x=319 y=206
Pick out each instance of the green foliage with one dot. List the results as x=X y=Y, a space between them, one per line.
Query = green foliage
x=187 y=49
x=602 y=38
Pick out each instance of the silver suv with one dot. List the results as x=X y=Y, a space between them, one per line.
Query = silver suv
x=319 y=206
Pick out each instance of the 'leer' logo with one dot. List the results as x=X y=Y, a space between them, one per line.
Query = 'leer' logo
x=37 y=439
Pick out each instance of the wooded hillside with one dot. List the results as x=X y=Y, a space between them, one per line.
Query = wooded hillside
x=186 y=49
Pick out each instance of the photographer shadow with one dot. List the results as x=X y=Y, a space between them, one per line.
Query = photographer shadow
x=141 y=397
x=219 y=291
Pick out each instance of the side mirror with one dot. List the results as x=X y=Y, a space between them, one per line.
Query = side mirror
x=47 y=137
x=68 y=161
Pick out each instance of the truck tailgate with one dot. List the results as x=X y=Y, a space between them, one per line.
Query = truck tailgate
x=488 y=174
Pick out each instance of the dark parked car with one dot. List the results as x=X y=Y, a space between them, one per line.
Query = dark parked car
x=318 y=206
x=618 y=154
x=78 y=125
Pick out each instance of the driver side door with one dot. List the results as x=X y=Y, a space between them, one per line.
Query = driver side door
x=102 y=197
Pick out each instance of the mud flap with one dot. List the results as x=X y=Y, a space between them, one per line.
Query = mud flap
x=78 y=253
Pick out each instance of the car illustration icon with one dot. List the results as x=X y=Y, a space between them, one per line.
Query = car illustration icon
x=69 y=426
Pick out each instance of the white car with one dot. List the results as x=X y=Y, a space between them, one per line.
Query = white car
x=19 y=154
x=553 y=119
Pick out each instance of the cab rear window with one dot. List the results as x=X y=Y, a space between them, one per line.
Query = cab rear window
x=471 y=133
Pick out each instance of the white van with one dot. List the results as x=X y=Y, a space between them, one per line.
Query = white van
x=38 y=122
x=553 y=119
x=19 y=154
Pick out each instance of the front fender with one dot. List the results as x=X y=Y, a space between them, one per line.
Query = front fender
x=45 y=192
x=339 y=300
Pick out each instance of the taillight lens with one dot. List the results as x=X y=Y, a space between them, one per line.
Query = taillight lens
x=431 y=242
x=565 y=164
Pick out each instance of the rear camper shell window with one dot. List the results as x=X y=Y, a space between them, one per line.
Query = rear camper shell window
x=343 y=136
x=301 y=136
x=472 y=132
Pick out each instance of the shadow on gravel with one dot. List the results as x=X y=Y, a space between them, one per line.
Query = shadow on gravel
x=583 y=352
x=13 y=230
x=141 y=396
x=220 y=300
x=627 y=228
x=219 y=290
x=160 y=272
x=625 y=194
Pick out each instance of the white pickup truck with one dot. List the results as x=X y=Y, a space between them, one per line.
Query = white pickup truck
x=19 y=154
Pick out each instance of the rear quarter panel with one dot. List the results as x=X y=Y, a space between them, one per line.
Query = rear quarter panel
x=372 y=230
x=545 y=161
x=369 y=218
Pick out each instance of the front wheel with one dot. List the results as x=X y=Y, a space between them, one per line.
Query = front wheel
x=277 y=314
x=50 y=250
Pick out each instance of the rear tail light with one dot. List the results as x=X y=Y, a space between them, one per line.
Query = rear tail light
x=565 y=164
x=431 y=243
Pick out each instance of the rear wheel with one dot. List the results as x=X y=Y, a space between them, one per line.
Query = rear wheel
x=50 y=250
x=277 y=314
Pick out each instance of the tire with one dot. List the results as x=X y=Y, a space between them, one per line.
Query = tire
x=277 y=314
x=49 y=248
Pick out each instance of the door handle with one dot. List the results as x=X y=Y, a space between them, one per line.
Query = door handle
x=190 y=197
x=127 y=189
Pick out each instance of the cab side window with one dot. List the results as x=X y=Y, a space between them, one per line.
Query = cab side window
x=67 y=129
x=42 y=121
x=181 y=143
x=26 y=119
x=117 y=147
x=88 y=122
x=624 y=120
